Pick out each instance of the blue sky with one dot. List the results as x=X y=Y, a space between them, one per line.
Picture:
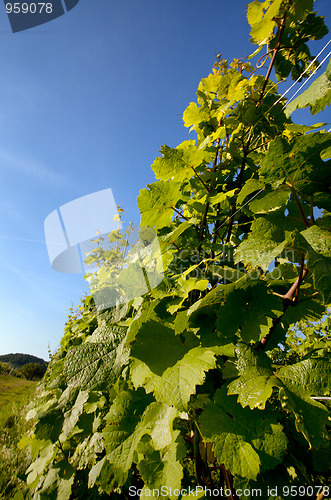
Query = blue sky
x=85 y=103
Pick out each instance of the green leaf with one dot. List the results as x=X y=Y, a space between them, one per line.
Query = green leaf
x=159 y=348
x=104 y=475
x=311 y=417
x=296 y=383
x=194 y=115
x=318 y=263
x=309 y=377
x=220 y=197
x=37 y=468
x=264 y=243
x=317 y=96
x=256 y=381
x=243 y=310
x=50 y=424
x=299 y=163
x=58 y=482
x=180 y=162
x=157 y=204
x=245 y=441
x=319 y=259
x=319 y=239
x=249 y=187
x=128 y=422
x=213 y=297
x=261 y=16
x=177 y=382
x=161 y=470
x=72 y=415
x=269 y=202
x=174 y=235
x=99 y=360
x=120 y=434
x=86 y=452
x=320 y=268
x=146 y=312
x=185 y=286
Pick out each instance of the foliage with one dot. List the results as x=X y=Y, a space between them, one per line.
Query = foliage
x=18 y=360
x=5 y=368
x=32 y=371
x=186 y=386
x=29 y=371
x=307 y=338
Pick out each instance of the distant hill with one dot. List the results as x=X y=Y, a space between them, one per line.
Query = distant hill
x=18 y=360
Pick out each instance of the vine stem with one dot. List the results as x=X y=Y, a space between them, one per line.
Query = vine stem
x=239 y=181
x=276 y=49
x=203 y=183
x=246 y=149
x=62 y=450
x=228 y=479
x=312 y=219
x=204 y=218
x=289 y=299
x=297 y=201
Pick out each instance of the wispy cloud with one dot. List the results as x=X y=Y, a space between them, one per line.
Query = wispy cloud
x=33 y=169
x=46 y=291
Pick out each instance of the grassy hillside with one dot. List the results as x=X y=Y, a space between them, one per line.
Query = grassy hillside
x=14 y=391
x=14 y=395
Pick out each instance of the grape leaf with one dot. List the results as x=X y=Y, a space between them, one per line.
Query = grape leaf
x=269 y=202
x=177 y=382
x=194 y=115
x=158 y=346
x=317 y=96
x=256 y=381
x=37 y=468
x=180 y=162
x=72 y=415
x=126 y=426
x=106 y=476
x=58 y=482
x=296 y=383
x=261 y=16
x=299 y=163
x=157 y=203
x=319 y=239
x=242 y=310
x=318 y=263
x=319 y=266
x=307 y=377
x=248 y=188
x=99 y=360
x=242 y=437
x=85 y=455
x=162 y=469
x=258 y=250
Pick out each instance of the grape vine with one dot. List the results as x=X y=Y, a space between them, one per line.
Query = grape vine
x=192 y=387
